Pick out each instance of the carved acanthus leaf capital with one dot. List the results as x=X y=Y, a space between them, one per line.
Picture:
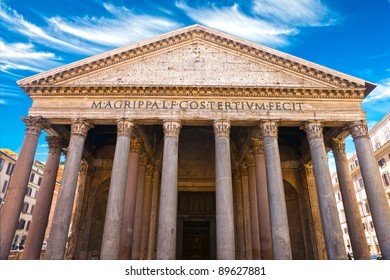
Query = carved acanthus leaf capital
x=81 y=127
x=250 y=159
x=34 y=125
x=144 y=159
x=269 y=129
x=172 y=129
x=124 y=127
x=358 y=129
x=244 y=170
x=136 y=145
x=221 y=129
x=83 y=167
x=313 y=130
x=257 y=146
x=150 y=169
x=309 y=169
x=55 y=143
x=338 y=146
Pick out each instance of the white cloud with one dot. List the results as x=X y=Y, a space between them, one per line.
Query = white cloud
x=232 y=20
x=296 y=13
x=19 y=56
x=124 y=27
x=16 y=23
x=381 y=92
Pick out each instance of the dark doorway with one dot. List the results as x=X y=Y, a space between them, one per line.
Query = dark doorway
x=196 y=226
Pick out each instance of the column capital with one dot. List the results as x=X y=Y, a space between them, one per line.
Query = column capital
x=136 y=145
x=338 y=146
x=221 y=128
x=358 y=129
x=124 y=127
x=80 y=127
x=83 y=167
x=309 y=169
x=313 y=130
x=243 y=170
x=250 y=159
x=144 y=159
x=172 y=129
x=34 y=125
x=55 y=143
x=257 y=146
x=269 y=128
x=150 y=170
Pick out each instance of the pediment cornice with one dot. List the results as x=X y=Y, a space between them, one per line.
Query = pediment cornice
x=196 y=33
x=228 y=91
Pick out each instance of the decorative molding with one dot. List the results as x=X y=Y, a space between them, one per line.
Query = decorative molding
x=269 y=129
x=136 y=145
x=309 y=169
x=172 y=129
x=313 y=130
x=358 y=129
x=149 y=170
x=221 y=128
x=191 y=90
x=56 y=143
x=250 y=159
x=124 y=127
x=338 y=146
x=83 y=167
x=257 y=146
x=81 y=127
x=143 y=159
x=195 y=34
x=34 y=125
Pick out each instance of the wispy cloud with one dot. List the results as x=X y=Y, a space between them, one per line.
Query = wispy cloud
x=295 y=13
x=233 y=20
x=378 y=101
x=17 y=23
x=122 y=27
x=20 y=56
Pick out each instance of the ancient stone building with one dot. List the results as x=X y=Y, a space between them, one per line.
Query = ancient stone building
x=195 y=145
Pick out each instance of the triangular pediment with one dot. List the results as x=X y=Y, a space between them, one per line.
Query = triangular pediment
x=195 y=56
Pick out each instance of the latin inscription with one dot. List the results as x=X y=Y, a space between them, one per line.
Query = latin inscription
x=197 y=105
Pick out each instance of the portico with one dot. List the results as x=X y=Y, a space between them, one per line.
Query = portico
x=197 y=143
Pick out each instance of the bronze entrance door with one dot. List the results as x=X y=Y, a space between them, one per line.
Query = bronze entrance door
x=196 y=226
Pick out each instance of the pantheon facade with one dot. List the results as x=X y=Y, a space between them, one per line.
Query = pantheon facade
x=195 y=144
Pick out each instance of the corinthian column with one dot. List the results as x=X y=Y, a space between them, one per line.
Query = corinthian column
x=373 y=185
x=262 y=200
x=250 y=161
x=36 y=233
x=281 y=247
x=328 y=208
x=116 y=195
x=136 y=246
x=224 y=192
x=352 y=213
x=56 y=244
x=166 y=239
x=153 y=216
x=130 y=200
x=13 y=202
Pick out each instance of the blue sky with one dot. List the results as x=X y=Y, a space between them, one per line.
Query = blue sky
x=351 y=36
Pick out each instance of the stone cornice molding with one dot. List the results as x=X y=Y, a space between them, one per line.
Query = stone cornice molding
x=80 y=127
x=358 y=129
x=313 y=130
x=338 y=146
x=195 y=34
x=172 y=129
x=191 y=90
x=34 y=125
x=124 y=127
x=221 y=128
x=269 y=129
